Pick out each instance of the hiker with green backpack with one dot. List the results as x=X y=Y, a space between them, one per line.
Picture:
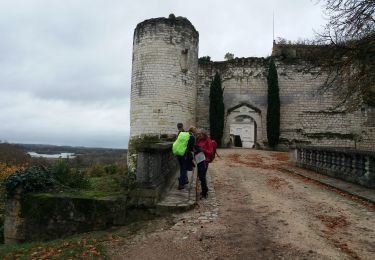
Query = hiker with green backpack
x=182 y=148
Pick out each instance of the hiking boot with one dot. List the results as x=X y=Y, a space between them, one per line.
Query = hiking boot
x=185 y=182
x=181 y=187
x=204 y=195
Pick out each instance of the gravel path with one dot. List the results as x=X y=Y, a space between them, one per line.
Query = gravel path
x=257 y=211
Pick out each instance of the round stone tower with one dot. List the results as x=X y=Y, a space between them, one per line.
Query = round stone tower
x=164 y=73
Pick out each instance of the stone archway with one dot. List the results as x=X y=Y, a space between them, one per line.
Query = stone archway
x=242 y=126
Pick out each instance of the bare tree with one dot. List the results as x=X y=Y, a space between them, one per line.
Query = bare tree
x=348 y=56
x=350 y=19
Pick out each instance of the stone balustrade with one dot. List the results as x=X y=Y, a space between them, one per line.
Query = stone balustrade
x=351 y=165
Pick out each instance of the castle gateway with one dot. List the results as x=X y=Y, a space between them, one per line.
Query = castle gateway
x=169 y=85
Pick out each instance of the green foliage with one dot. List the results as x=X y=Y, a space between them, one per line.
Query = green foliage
x=111 y=169
x=33 y=179
x=110 y=177
x=204 y=59
x=171 y=16
x=229 y=56
x=273 y=109
x=97 y=170
x=216 y=109
x=71 y=177
x=39 y=178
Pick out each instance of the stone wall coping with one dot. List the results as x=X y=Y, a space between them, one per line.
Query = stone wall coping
x=181 y=21
x=241 y=61
x=154 y=146
x=337 y=149
x=90 y=195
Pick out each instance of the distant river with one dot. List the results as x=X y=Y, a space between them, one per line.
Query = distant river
x=62 y=155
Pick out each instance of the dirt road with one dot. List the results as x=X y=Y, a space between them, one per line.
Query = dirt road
x=257 y=211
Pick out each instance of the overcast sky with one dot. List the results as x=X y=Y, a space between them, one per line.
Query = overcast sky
x=65 y=65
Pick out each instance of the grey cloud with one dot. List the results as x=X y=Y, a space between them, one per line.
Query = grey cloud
x=67 y=64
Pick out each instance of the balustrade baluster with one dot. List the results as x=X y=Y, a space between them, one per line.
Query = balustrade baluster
x=307 y=157
x=371 y=167
x=367 y=166
x=310 y=157
x=348 y=164
x=354 y=165
x=313 y=158
x=298 y=159
x=324 y=159
x=342 y=163
x=361 y=165
x=328 y=160
x=336 y=164
x=318 y=159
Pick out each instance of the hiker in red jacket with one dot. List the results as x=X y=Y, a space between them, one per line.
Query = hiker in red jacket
x=203 y=144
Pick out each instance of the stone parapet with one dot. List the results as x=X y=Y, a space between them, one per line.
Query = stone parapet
x=43 y=216
x=351 y=165
x=155 y=170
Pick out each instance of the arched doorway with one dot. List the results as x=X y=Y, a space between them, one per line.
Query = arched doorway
x=243 y=131
x=243 y=126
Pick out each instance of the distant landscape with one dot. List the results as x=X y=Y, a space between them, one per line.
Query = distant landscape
x=90 y=169
x=88 y=155
x=78 y=150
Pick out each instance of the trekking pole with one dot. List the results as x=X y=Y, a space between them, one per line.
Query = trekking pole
x=196 y=187
x=217 y=154
x=191 y=183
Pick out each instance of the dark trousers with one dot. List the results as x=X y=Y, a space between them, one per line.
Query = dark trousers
x=183 y=170
x=202 y=171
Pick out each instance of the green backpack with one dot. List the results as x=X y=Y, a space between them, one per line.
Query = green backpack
x=180 y=145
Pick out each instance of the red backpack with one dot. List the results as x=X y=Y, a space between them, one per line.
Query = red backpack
x=214 y=146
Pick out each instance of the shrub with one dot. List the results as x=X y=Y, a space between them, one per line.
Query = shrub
x=273 y=108
x=71 y=177
x=97 y=170
x=111 y=169
x=216 y=113
x=32 y=179
x=204 y=59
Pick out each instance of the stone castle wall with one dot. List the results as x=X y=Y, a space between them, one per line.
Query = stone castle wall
x=306 y=114
x=165 y=65
x=244 y=82
x=169 y=86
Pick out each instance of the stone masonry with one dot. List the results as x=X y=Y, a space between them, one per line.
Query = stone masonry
x=307 y=116
x=169 y=85
x=165 y=65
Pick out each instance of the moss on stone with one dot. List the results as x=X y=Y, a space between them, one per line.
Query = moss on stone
x=38 y=207
x=79 y=194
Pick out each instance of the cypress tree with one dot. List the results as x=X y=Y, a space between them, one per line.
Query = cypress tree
x=216 y=109
x=273 y=110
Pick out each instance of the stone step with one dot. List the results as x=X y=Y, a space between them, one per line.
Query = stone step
x=180 y=200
